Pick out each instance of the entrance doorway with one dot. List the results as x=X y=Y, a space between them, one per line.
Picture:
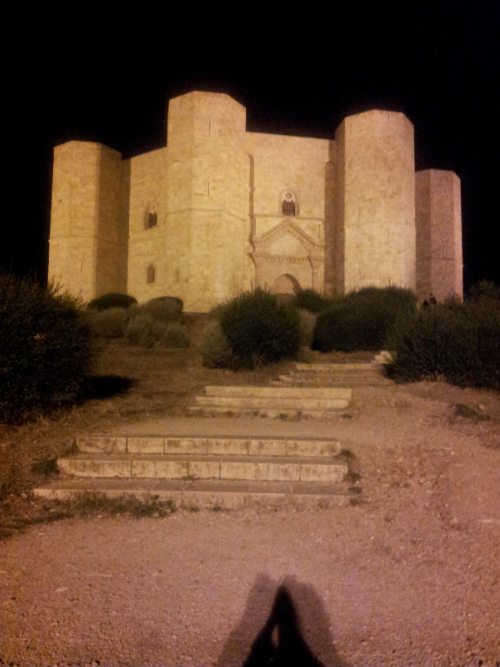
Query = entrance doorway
x=285 y=284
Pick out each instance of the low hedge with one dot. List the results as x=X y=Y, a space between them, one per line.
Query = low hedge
x=257 y=329
x=111 y=300
x=46 y=349
x=361 y=320
x=457 y=342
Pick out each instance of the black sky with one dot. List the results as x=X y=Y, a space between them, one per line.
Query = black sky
x=104 y=71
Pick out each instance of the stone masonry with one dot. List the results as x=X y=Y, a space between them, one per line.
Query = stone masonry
x=220 y=210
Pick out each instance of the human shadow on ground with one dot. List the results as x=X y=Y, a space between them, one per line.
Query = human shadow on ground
x=295 y=633
x=101 y=387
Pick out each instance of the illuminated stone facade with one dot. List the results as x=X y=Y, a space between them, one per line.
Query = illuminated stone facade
x=220 y=210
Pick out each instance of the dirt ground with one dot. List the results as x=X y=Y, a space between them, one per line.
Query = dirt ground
x=409 y=576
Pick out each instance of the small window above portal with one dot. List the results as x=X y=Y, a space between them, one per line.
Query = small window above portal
x=151 y=216
x=288 y=204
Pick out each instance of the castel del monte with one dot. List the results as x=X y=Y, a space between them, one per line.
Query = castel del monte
x=218 y=211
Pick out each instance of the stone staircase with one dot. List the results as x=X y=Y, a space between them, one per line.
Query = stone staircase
x=228 y=472
x=332 y=375
x=280 y=401
x=215 y=472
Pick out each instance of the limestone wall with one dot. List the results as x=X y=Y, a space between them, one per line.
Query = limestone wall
x=288 y=164
x=200 y=183
x=219 y=227
x=439 y=234
x=375 y=217
x=148 y=175
x=331 y=205
x=88 y=242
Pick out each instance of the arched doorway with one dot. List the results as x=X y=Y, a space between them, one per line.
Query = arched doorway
x=285 y=284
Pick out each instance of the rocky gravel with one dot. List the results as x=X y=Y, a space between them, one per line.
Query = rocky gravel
x=409 y=576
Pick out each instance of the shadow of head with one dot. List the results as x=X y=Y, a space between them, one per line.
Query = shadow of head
x=280 y=642
x=295 y=632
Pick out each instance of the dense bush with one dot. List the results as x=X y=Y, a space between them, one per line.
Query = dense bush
x=484 y=290
x=139 y=331
x=45 y=349
x=362 y=320
x=215 y=348
x=312 y=301
x=144 y=325
x=167 y=308
x=259 y=329
x=111 y=300
x=108 y=323
x=171 y=334
x=455 y=341
x=144 y=330
x=307 y=325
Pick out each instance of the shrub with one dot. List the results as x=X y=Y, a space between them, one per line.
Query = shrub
x=145 y=330
x=484 y=290
x=215 y=348
x=312 y=301
x=45 y=349
x=259 y=329
x=362 y=320
x=139 y=331
x=307 y=325
x=170 y=334
x=165 y=308
x=108 y=323
x=111 y=300
x=455 y=341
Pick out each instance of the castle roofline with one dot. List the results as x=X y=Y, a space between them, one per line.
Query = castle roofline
x=205 y=93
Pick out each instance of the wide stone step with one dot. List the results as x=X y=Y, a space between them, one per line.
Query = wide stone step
x=331 y=376
x=287 y=402
x=271 y=403
x=238 y=446
x=334 y=367
x=210 y=494
x=310 y=380
x=274 y=413
x=278 y=394
x=172 y=466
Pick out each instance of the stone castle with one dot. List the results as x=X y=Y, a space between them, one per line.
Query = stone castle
x=220 y=210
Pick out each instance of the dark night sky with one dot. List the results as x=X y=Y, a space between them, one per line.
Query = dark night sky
x=103 y=71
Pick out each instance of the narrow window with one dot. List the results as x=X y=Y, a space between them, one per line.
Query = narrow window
x=151 y=216
x=288 y=204
x=151 y=273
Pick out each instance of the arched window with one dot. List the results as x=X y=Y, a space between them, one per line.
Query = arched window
x=288 y=204
x=151 y=216
x=151 y=273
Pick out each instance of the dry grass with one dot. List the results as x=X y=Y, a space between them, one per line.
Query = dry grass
x=129 y=385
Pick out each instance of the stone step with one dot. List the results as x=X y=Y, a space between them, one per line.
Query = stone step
x=272 y=403
x=185 y=467
x=288 y=402
x=334 y=367
x=273 y=413
x=278 y=394
x=238 y=446
x=309 y=380
x=210 y=494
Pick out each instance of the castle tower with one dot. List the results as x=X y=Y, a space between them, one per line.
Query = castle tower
x=202 y=184
x=375 y=205
x=88 y=234
x=219 y=210
x=439 y=234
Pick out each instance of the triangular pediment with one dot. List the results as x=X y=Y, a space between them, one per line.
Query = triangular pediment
x=286 y=239
x=287 y=245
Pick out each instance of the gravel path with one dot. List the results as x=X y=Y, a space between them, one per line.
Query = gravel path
x=411 y=576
